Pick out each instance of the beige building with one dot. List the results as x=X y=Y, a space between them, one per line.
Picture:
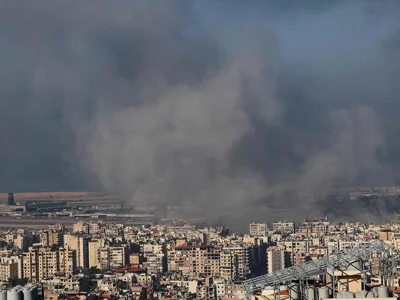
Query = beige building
x=104 y=258
x=284 y=227
x=386 y=235
x=13 y=259
x=228 y=266
x=8 y=270
x=80 y=245
x=152 y=249
x=50 y=238
x=94 y=227
x=39 y=263
x=94 y=247
x=195 y=260
x=80 y=227
x=258 y=229
x=67 y=261
x=21 y=242
x=316 y=227
x=87 y=227
x=155 y=263
x=245 y=259
x=134 y=259
x=118 y=256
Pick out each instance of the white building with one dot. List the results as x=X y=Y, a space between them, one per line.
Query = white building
x=258 y=229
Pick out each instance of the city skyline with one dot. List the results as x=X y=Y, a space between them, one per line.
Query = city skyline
x=202 y=103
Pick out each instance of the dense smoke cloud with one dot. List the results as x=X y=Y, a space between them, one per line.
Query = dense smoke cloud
x=207 y=104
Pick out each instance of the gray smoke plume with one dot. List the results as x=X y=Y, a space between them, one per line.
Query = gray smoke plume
x=227 y=108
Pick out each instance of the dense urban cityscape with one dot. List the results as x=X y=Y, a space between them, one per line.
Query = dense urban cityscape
x=199 y=149
x=94 y=254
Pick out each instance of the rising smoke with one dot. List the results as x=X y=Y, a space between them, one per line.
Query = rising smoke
x=224 y=107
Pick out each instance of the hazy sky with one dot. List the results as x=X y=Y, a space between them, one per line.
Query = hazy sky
x=213 y=102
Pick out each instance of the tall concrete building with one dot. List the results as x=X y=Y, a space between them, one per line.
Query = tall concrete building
x=8 y=269
x=39 y=263
x=50 y=238
x=229 y=266
x=155 y=263
x=119 y=256
x=245 y=259
x=10 y=200
x=283 y=227
x=258 y=229
x=311 y=226
x=104 y=258
x=67 y=261
x=80 y=245
x=43 y=262
x=94 y=247
x=275 y=259
x=193 y=260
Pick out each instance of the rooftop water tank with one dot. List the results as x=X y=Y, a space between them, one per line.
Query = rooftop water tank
x=3 y=294
x=294 y=291
x=311 y=293
x=361 y=294
x=354 y=266
x=344 y=295
x=15 y=293
x=323 y=293
x=28 y=293
x=383 y=292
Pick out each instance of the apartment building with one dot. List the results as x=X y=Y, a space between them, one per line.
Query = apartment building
x=119 y=256
x=258 y=229
x=94 y=227
x=81 y=227
x=87 y=227
x=228 y=264
x=151 y=249
x=316 y=227
x=40 y=263
x=245 y=259
x=104 y=258
x=181 y=229
x=8 y=270
x=81 y=245
x=134 y=259
x=108 y=257
x=93 y=249
x=283 y=227
x=275 y=259
x=50 y=238
x=193 y=260
x=295 y=250
x=67 y=261
x=155 y=263
x=319 y=251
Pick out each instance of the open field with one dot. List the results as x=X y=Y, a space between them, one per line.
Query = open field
x=72 y=198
